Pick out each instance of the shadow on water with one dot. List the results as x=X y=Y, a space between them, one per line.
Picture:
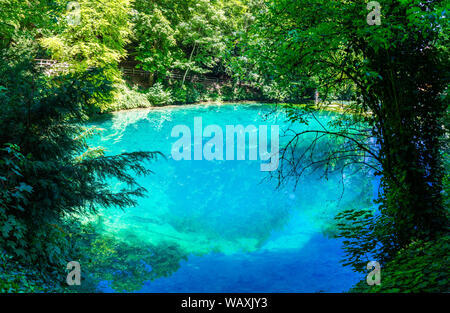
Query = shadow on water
x=314 y=267
x=215 y=226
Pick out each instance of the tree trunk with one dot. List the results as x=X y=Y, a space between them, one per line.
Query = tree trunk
x=190 y=58
x=151 y=79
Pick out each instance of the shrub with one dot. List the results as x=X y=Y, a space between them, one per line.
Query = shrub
x=421 y=267
x=54 y=173
x=158 y=96
x=17 y=278
x=130 y=98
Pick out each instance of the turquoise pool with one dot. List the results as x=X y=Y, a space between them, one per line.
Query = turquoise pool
x=236 y=230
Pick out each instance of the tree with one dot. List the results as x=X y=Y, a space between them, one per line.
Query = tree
x=93 y=36
x=19 y=18
x=202 y=36
x=187 y=35
x=48 y=171
x=154 y=35
x=400 y=72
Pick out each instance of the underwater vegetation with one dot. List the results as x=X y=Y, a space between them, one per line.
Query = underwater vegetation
x=126 y=265
x=202 y=208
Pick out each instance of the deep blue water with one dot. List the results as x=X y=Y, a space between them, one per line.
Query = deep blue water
x=240 y=233
x=313 y=268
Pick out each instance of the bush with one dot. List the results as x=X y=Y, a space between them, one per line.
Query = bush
x=17 y=278
x=54 y=173
x=130 y=98
x=158 y=96
x=421 y=267
x=187 y=93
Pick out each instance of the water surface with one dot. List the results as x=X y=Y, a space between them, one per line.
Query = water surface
x=239 y=233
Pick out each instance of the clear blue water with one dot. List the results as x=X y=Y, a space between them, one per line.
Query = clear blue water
x=239 y=232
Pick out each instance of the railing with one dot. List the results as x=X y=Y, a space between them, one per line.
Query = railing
x=52 y=67
x=131 y=71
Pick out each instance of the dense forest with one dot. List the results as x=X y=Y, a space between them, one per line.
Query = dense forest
x=302 y=55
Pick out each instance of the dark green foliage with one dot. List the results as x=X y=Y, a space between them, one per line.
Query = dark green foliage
x=399 y=72
x=16 y=277
x=396 y=73
x=187 y=93
x=157 y=95
x=197 y=92
x=49 y=172
x=355 y=226
x=14 y=196
x=419 y=267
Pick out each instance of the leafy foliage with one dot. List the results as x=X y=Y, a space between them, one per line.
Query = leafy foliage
x=396 y=74
x=157 y=95
x=98 y=40
x=129 y=98
x=125 y=265
x=187 y=35
x=54 y=173
x=15 y=277
x=419 y=267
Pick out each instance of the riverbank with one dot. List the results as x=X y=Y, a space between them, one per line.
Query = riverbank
x=335 y=106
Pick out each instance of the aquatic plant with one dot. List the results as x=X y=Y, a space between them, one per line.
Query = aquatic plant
x=124 y=266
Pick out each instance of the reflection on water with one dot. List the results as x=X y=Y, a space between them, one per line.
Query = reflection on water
x=219 y=226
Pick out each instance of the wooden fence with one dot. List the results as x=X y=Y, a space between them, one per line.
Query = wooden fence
x=131 y=71
x=52 y=67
